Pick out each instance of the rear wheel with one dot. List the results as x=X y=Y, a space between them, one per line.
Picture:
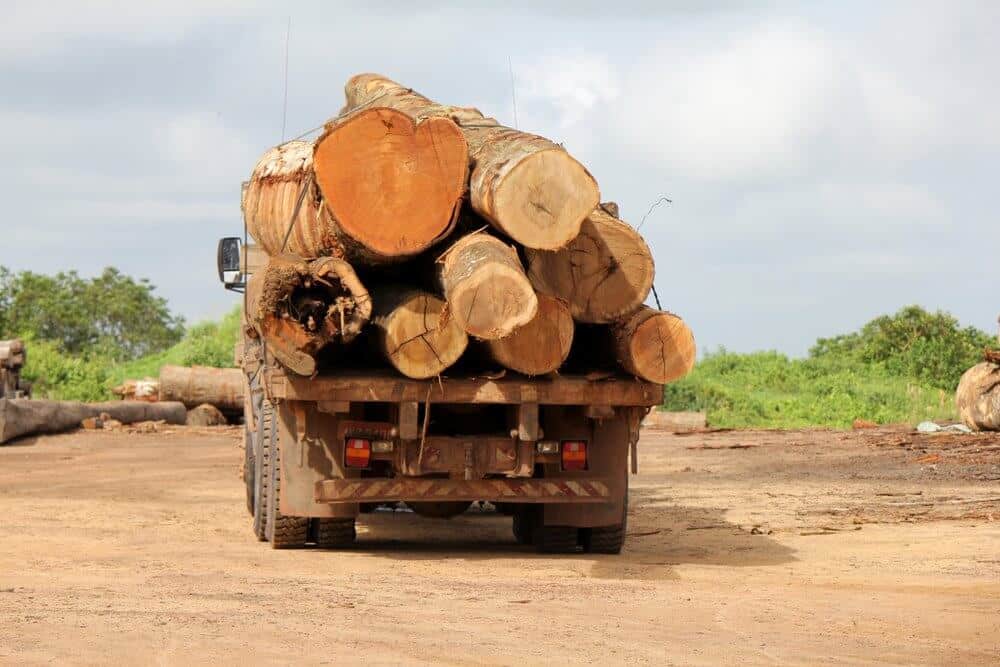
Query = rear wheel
x=557 y=539
x=607 y=539
x=524 y=525
x=248 y=467
x=333 y=533
x=283 y=532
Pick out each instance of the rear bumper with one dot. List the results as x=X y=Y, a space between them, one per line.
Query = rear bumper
x=582 y=490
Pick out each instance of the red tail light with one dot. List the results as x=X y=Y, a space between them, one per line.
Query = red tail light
x=357 y=453
x=574 y=455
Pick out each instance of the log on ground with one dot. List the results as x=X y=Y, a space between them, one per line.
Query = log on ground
x=195 y=385
x=542 y=345
x=487 y=291
x=528 y=187
x=654 y=345
x=604 y=274
x=21 y=417
x=414 y=332
x=978 y=397
x=299 y=307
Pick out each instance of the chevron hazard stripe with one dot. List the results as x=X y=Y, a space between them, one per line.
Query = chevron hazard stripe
x=575 y=490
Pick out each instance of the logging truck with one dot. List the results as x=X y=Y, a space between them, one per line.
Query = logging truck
x=421 y=279
x=552 y=452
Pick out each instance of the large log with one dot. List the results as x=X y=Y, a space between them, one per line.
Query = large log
x=299 y=307
x=978 y=397
x=486 y=289
x=20 y=417
x=376 y=187
x=527 y=186
x=604 y=274
x=414 y=332
x=195 y=385
x=654 y=345
x=540 y=346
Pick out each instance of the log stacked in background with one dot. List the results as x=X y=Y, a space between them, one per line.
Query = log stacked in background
x=352 y=221
x=194 y=385
x=978 y=397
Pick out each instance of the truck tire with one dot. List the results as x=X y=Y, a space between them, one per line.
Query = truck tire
x=333 y=533
x=556 y=539
x=283 y=532
x=248 y=467
x=607 y=539
x=524 y=525
x=262 y=471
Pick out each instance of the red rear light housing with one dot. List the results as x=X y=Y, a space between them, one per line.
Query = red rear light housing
x=574 y=455
x=357 y=452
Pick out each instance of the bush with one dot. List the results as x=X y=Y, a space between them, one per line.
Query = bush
x=931 y=348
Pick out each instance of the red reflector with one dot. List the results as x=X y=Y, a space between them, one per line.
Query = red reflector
x=357 y=453
x=574 y=455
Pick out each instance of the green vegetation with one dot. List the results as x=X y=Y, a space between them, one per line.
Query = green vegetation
x=897 y=369
x=85 y=336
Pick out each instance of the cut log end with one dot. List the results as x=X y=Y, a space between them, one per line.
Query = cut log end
x=655 y=346
x=487 y=291
x=393 y=186
x=978 y=397
x=492 y=304
x=540 y=346
x=604 y=274
x=544 y=199
x=416 y=335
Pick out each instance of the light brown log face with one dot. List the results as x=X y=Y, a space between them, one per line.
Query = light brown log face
x=978 y=397
x=655 y=346
x=393 y=186
x=604 y=274
x=487 y=292
x=525 y=185
x=415 y=333
x=540 y=346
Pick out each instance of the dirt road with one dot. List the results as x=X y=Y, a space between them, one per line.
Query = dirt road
x=752 y=547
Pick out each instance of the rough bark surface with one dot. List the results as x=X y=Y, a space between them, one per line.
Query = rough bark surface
x=269 y=203
x=20 y=417
x=654 y=345
x=415 y=333
x=487 y=291
x=527 y=186
x=195 y=385
x=978 y=397
x=299 y=307
x=604 y=274
x=540 y=346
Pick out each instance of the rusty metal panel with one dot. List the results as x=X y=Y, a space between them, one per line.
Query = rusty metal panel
x=581 y=490
x=383 y=387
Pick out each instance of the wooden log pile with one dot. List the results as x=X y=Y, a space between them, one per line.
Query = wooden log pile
x=426 y=237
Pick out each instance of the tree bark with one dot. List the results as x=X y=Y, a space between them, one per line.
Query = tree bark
x=604 y=274
x=376 y=187
x=978 y=397
x=654 y=345
x=486 y=289
x=195 y=385
x=542 y=345
x=414 y=332
x=526 y=186
x=299 y=307
x=20 y=417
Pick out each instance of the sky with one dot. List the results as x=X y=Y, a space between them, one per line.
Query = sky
x=826 y=162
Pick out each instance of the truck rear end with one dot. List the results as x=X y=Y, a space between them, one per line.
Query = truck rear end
x=550 y=452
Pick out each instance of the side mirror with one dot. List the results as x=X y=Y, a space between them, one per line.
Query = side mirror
x=228 y=261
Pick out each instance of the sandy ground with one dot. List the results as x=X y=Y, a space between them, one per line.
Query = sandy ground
x=745 y=547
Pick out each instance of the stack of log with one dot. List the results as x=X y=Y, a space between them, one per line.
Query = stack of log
x=431 y=235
